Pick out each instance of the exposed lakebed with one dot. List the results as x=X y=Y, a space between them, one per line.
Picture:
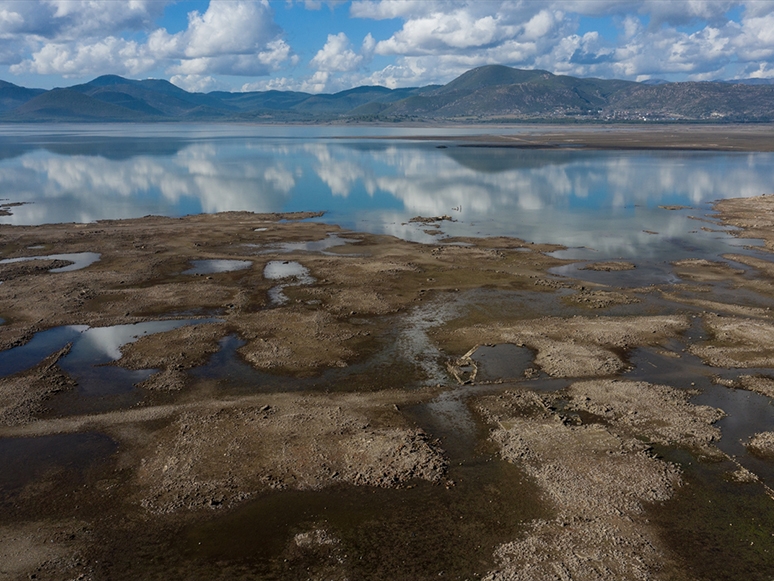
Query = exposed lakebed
x=355 y=405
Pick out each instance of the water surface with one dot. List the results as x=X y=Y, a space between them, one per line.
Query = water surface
x=607 y=202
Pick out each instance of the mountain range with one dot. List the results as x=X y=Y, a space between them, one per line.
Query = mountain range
x=491 y=93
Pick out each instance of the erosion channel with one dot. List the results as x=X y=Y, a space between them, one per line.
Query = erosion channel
x=230 y=396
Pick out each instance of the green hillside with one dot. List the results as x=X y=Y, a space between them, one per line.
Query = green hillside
x=492 y=93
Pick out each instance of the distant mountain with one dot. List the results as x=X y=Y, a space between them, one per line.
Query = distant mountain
x=749 y=81
x=70 y=105
x=492 y=93
x=12 y=96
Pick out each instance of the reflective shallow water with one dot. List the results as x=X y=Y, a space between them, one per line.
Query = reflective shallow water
x=79 y=260
x=296 y=273
x=608 y=201
x=603 y=205
x=92 y=348
x=216 y=266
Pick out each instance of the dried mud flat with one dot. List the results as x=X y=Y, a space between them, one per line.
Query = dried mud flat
x=297 y=375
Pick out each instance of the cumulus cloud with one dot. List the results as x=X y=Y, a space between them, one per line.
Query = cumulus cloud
x=195 y=83
x=112 y=54
x=76 y=27
x=71 y=19
x=694 y=39
x=226 y=28
x=430 y=41
x=68 y=38
x=337 y=66
x=337 y=55
x=230 y=38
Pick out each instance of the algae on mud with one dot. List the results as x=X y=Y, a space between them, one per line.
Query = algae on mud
x=349 y=410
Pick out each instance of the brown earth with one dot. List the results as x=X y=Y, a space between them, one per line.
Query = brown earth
x=752 y=137
x=612 y=266
x=762 y=444
x=339 y=372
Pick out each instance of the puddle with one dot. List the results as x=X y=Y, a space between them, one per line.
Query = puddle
x=413 y=342
x=217 y=266
x=685 y=372
x=79 y=260
x=717 y=529
x=421 y=532
x=41 y=345
x=233 y=374
x=426 y=532
x=331 y=241
x=92 y=348
x=645 y=274
x=283 y=269
x=747 y=413
x=32 y=460
x=505 y=361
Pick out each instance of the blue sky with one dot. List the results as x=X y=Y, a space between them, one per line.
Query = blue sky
x=331 y=45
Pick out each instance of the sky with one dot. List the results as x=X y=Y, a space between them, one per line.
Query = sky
x=324 y=46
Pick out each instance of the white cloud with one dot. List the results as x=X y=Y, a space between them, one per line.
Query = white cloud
x=254 y=64
x=385 y=9
x=459 y=30
x=337 y=67
x=439 y=40
x=337 y=55
x=226 y=28
x=114 y=55
x=433 y=42
x=273 y=84
x=229 y=38
x=195 y=83
x=763 y=72
x=71 y=20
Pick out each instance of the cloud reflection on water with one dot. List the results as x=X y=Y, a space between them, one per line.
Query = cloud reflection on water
x=578 y=198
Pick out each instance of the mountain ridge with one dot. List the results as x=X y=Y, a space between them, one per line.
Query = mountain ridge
x=491 y=93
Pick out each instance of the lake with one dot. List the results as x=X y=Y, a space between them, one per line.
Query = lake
x=602 y=203
x=236 y=420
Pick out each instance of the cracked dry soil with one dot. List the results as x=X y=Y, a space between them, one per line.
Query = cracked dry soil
x=320 y=405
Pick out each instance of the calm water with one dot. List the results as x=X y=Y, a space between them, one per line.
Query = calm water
x=599 y=204
x=600 y=200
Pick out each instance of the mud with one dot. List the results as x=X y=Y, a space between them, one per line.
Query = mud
x=737 y=342
x=23 y=395
x=598 y=482
x=762 y=445
x=579 y=346
x=748 y=137
x=398 y=385
x=613 y=266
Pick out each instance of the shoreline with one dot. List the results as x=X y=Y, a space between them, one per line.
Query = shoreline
x=740 y=138
x=378 y=371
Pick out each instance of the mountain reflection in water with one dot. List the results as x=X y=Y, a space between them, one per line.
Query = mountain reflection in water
x=604 y=200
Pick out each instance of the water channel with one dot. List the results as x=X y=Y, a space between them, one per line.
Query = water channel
x=649 y=208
